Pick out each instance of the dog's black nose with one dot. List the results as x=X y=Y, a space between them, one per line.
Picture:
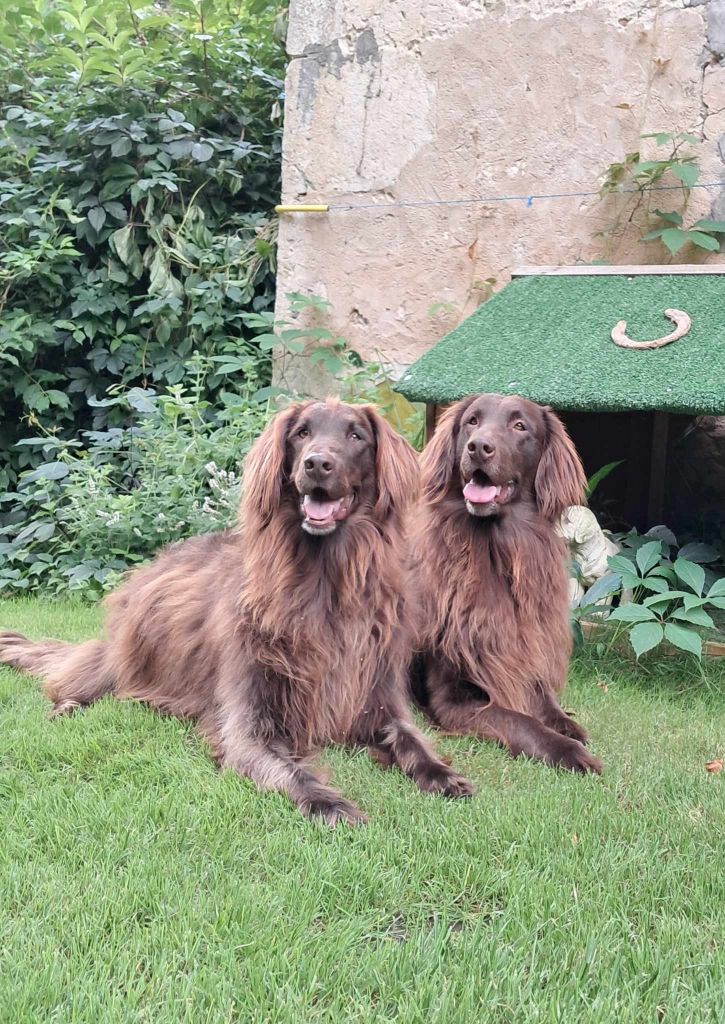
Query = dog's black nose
x=483 y=449
x=318 y=467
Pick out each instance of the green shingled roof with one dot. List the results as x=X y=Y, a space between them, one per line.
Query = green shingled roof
x=548 y=338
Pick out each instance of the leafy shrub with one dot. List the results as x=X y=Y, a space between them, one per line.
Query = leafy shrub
x=102 y=503
x=138 y=144
x=350 y=376
x=638 y=177
x=670 y=591
x=104 y=500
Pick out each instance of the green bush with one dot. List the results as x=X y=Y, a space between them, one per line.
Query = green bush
x=109 y=499
x=139 y=160
x=671 y=593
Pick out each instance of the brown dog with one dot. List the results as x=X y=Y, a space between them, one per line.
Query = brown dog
x=491 y=577
x=286 y=633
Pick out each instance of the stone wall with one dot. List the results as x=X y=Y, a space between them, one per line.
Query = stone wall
x=404 y=100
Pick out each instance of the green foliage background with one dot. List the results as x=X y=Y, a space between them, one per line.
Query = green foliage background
x=139 y=160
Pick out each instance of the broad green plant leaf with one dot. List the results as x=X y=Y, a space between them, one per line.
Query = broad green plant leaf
x=648 y=556
x=596 y=478
x=691 y=574
x=600 y=589
x=675 y=239
x=699 y=552
x=633 y=613
x=717 y=589
x=704 y=241
x=683 y=638
x=687 y=172
x=644 y=636
x=697 y=616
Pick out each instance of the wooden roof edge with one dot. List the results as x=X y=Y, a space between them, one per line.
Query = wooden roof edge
x=625 y=270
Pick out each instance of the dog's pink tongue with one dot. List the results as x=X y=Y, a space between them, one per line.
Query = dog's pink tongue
x=320 y=510
x=480 y=494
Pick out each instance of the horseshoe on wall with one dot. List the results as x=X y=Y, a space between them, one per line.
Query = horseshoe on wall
x=681 y=321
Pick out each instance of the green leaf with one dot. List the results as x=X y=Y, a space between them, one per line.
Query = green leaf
x=704 y=241
x=697 y=616
x=97 y=217
x=632 y=613
x=648 y=556
x=665 y=571
x=662 y=533
x=710 y=225
x=717 y=589
x=656 y=584
x=44 y=531
x=651 y=235
x=291 y=346
x=601 y=588
x=58 y=398
x=691 y=574
x=643 y=167
x=264 y=394
x=687 y=172
x=684 y=638
x=700 y=553
x=202 y=151
x=661 y=138
x=674 y=239
x=124 y=243
x=325 y=356
x=48 y=471
x=660 y=600
x=672 y=217
x=644 y=636
x=618 y=563
x=267 y=342
x=596 y=478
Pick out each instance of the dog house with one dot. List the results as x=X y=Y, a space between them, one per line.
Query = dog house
x=554 y=335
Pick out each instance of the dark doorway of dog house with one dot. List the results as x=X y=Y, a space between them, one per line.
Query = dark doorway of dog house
x=640 y=491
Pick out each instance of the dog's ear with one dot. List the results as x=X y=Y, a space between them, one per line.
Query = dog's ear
x=264 y=467
x=438 y=459
x=560 y=479
x=396 y=468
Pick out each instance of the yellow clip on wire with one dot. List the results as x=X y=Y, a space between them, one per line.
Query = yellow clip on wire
x=302 y=208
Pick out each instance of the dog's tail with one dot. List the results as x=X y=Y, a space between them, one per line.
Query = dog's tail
x=75 y=674
x=36 y=658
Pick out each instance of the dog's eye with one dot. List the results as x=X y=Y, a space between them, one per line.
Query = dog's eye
x=473 y=421
x=519 y=425
x=354 y=436
x=303 y=432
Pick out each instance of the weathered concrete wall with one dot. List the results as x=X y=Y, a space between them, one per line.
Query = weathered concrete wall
x=391 y=100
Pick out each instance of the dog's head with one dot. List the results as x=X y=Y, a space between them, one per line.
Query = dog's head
x=335 y=462
x=494 y=451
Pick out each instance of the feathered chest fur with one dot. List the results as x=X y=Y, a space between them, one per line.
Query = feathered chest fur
x=326 y=620
x=492 y=599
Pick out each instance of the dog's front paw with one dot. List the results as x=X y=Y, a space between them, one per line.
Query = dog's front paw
x=333 y=810
x=568 y=727
x=574 y=757
x=443 y=781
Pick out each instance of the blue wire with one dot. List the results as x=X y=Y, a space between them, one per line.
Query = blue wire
x=527 y=200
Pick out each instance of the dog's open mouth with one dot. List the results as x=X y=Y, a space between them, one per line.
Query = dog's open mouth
x=321 y=514
x=483 y=496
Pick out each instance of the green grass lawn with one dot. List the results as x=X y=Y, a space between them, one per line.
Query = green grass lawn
x=139 y=884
